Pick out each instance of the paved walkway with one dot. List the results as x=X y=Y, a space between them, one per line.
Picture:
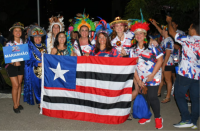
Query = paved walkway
x=29 y=119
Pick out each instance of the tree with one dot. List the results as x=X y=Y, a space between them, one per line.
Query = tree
x=182 y=11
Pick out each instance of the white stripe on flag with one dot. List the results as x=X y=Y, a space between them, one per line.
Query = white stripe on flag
x=110 y=69
x=86 y=96
x=104 y=84
x=86 y=109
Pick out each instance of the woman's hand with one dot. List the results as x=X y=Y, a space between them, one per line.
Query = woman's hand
x=123 y=52
x=17 y=64
x=153 y=42
x=153 y=22
x=141 y=83
x=150 y=77
x=87 y=54
x=40 y=64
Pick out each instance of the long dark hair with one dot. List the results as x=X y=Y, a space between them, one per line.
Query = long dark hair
x=108 y=44
x=56 y=43
x=11 y=36
x=146 y=46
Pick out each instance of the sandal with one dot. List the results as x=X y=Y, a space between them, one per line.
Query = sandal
x=166 y=100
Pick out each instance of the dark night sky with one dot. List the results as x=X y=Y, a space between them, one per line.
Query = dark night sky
x=27 y=11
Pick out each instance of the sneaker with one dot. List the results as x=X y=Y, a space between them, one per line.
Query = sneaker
x=143 y=121
x=194 y=127
x=159 y=123
x=184 y=124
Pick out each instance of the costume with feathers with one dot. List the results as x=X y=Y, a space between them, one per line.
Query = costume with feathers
x=50 y=38
x=32 y=72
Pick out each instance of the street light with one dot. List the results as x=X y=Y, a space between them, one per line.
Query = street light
x=38 y=11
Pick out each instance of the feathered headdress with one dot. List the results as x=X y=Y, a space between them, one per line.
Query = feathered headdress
x=36 y=31
x=83 y=20
x=56 y=20
x=103 y=26
x=139 y=25
x=70 y=48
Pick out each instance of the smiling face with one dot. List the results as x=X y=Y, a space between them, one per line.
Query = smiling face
x=139 y=36
x=119 y=28
x=17 y=32
x=84 y=31
x=37 y=39
x=55 y=29
x=102 y=39
x=61 y=38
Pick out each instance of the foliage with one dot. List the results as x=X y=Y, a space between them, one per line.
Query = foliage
x=1 y=55
x=181 y=12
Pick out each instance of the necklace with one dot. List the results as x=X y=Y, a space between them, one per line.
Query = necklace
x=118 y=43
x=38 y=45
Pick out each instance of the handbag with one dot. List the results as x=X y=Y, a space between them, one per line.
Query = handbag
x=140 y=108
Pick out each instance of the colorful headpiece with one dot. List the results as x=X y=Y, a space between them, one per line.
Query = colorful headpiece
x=36 y=31
x=139 y=25
x=83 y=20
x=56 y=20
x=118 y=20
x=17 y=24
x=104 y=27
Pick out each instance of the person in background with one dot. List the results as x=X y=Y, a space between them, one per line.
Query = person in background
x=56 y=26
x=16 y=69
x=188 y=74
x=167 y=46
x=2 y=40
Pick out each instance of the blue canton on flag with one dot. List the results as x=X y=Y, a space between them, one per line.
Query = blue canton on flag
x=60 y=72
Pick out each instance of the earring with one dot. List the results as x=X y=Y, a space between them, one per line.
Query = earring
x=145 y=40
x=133 y=41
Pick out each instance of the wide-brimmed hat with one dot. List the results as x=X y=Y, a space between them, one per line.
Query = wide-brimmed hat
x=17 y=25
x=118 y=20
x=36 y=31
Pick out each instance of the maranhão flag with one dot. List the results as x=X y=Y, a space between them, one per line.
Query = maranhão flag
x=94 y=89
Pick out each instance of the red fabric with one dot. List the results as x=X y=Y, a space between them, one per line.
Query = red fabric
x=139 y=25
x=106 y=60
x=85 y=116
x=96 y=91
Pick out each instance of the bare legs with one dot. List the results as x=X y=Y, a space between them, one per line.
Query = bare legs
x=16 y=89
x=168 y=79
x=136 y=90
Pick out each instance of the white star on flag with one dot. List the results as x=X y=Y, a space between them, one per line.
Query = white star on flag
x=59 y=73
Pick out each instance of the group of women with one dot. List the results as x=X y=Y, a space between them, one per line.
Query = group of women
x=116 y=39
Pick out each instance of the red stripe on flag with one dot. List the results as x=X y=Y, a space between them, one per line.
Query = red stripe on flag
x=85 y=116
x=96 y=91
x=106 y=60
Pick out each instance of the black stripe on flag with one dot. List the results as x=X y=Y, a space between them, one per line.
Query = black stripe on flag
x=104 y=76
x=67 y=100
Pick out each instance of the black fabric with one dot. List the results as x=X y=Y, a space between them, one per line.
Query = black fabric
x=104 y=76
x=169 y=68
x=152 y=100
x=75 y=101
x=15 y=70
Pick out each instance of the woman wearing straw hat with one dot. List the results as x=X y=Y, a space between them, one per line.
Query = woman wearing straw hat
x=16 y=69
